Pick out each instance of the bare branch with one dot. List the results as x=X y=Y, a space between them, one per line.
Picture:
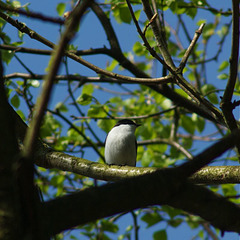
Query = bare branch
x=88 y=79
x=190 y=48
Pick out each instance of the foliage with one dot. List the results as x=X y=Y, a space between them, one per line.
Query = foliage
x=82 y=111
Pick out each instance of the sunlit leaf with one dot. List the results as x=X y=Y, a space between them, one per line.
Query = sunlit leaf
x=61 y=8
x=223 y=66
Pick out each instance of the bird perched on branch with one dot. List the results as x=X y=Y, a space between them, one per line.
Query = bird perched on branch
x=121 y=144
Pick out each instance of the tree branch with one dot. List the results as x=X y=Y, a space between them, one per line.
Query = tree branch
x=123 y=79
x=226 y=105
x=31 y=14
x=190 y=47
x=159 y=188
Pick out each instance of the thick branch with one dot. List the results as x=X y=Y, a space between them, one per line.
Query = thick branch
x=207 y=175
x=161 y=187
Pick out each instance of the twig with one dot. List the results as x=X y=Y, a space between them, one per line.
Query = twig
x=190 y=47
x=87 y=52
x=168 y=142
x=31 y=14
x=208 y=229
x=85 y=79
x=149 y=23
x=135 y=225
x=131 y=117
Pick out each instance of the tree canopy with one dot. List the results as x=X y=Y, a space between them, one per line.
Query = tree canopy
x=69 y=73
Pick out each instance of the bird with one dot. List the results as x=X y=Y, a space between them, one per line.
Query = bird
x=121 y=144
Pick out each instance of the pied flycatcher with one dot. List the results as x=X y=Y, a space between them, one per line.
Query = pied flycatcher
x=121 y=144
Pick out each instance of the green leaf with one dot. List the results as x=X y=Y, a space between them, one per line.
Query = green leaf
x=84 y=99
x=229 y=189
x=188 y=124
x=209 y=91
x=223 y=76
x=172 y=212
x=122 y=14
x=169 y=2
x=96 y=110
x=193 y=221
x=7 y=56
x=110 y=67
x=21 y=114
x=88 y=89
x=191 y=76
x=162 y=234
x=50 y=126
x=146 y=159
x=61 y=8
x=223 y=66
x=15 y=101
x=223 y=31
x=74 y=136
x=137 y=14
x=201 y=21
x=125 y=15
x=16 y=4
x=209 y=30
x=61 y=107
x=151 y=219
x=191 y=12
x=175 y=222
x=200 y=122
x=138 y=49
x=106 y=125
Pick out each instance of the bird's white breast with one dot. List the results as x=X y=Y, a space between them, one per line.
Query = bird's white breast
x=120 y=147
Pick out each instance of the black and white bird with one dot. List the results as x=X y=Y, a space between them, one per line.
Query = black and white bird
x=121 y=144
